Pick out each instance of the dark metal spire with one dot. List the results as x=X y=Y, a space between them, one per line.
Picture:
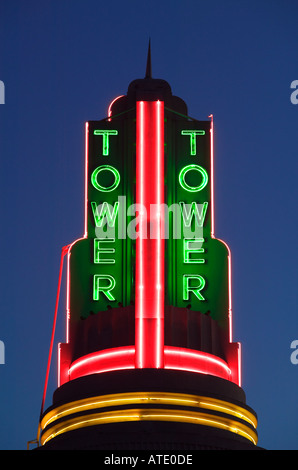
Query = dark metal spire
x=148 y=67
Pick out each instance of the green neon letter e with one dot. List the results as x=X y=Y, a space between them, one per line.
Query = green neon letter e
x=98 y=250
x=188 y=250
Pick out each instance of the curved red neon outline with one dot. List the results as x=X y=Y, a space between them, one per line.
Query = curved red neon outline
x=212 y=226
x=174 y=358
x=111 y=104
x=230 y=315
x=196 y=361
x=103 y=361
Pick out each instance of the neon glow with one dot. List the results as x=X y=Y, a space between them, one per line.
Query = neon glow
x=174 y=358
x=149 y=293
x=188 y=249
x=197 y=210
x=86 y=177
x=230 y=314
x=111 y=104
x=68 y=288
x=99 y=285
x=198 y=414
x=230 y=289
x=151 y=414
x=105 y=213
x=203 y=267
x=105 y=138
x=103 y=361
x=147 y=398
x=150 y=350
x=99 y=250
x=196 y=290
x=212 y=173
x=186 y=170
x=193 y=139
x=196 y=361
x=114 y=172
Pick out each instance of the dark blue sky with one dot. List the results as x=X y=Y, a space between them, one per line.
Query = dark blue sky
x=62 y=63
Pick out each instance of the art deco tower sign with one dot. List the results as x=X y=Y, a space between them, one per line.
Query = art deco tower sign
x=149 y=355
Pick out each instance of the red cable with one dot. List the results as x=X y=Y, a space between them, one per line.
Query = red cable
x=64 y=251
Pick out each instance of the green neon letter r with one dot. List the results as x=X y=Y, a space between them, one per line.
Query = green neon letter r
x=100 y=286
x=194 y=289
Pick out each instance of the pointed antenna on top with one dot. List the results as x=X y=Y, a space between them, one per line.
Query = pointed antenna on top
x=148 y=67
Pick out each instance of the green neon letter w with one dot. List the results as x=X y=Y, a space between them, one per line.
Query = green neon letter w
x=103 y=212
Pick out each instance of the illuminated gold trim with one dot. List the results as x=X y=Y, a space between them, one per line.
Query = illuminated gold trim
x=160 y=398
x=152 y=414
x=152 y=398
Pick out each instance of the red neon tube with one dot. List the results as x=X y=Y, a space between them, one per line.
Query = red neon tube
x=149 y=293
x=174 y=358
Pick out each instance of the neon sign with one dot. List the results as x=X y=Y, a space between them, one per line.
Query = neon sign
x=198 y=263
x=149 y=249
x=148 y=304
x=185 y=185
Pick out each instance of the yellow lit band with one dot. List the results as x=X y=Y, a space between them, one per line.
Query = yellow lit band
x=153 y=414
x=150 y=398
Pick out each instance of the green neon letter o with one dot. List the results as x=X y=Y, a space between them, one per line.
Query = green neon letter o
x=98 y=186
x=186 y=186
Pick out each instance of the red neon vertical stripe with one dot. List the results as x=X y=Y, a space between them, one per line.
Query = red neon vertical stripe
x=86 y=176
x=149 y=308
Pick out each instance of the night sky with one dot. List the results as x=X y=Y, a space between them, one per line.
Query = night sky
x=62 y=63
